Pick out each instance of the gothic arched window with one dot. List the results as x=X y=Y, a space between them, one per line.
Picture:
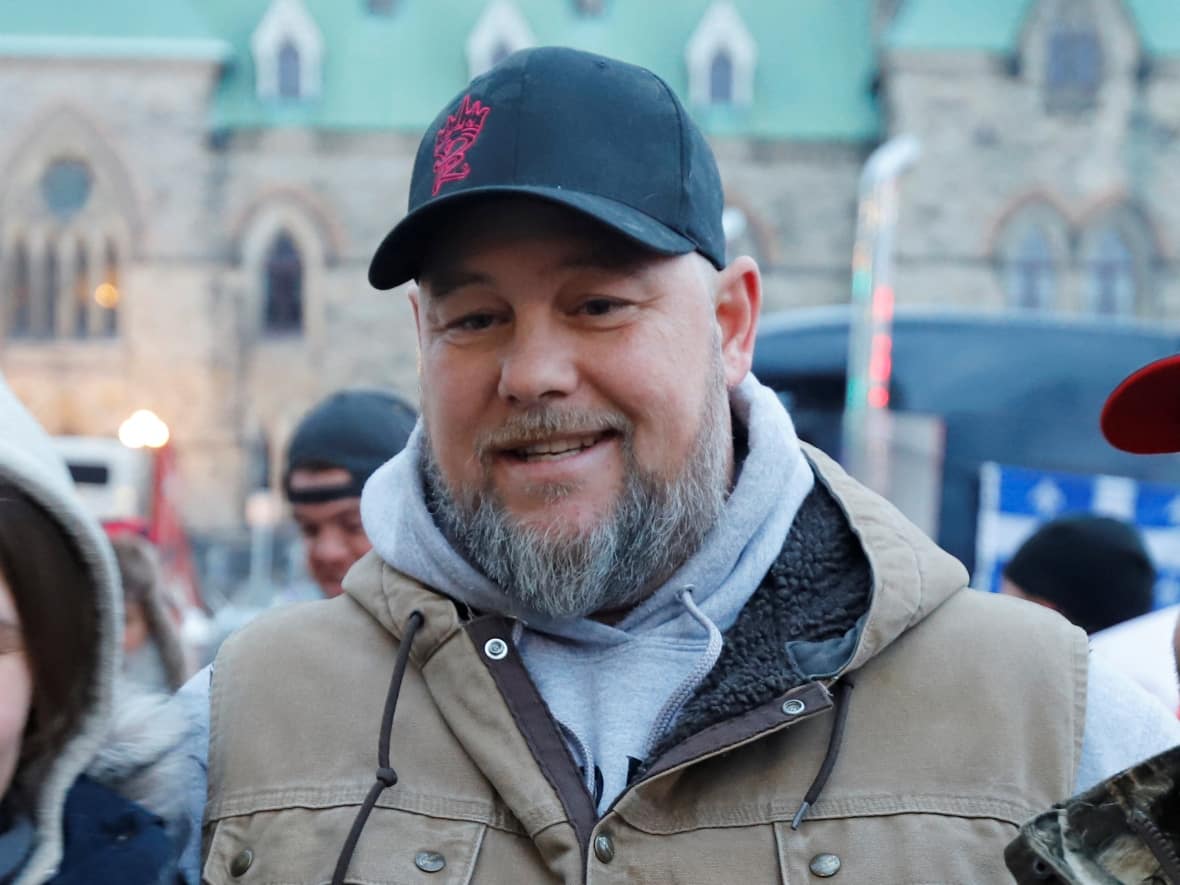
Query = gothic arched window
x=289 y=73
x=20 y=294
x=81 y=293
x=107 y=295
x=1031 y=273
x=1073 y=59
x=1111 y=277
x=45 y=317
x=721 y=78
x=284 y=287
x=1032 y=249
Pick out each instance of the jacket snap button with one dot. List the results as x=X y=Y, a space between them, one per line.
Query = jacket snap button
x=496 y=649
x=825 y=865
x=604 y=848
x=430 y=861
x=241 y=862
x=794 y=707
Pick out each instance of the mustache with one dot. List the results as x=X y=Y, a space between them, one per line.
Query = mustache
x=538 y=425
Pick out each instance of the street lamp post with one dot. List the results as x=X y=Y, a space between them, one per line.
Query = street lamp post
x=870 y=331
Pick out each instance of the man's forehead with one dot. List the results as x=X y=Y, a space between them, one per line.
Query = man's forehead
x=489 y=225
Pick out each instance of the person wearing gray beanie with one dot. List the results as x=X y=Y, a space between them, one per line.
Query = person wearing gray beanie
x=1094 y=570
x=334 y=450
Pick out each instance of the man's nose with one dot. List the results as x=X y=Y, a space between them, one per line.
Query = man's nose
x=538 y=365
x=329 y=548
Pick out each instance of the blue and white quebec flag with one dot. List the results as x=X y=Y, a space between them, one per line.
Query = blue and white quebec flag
x=1014 y=501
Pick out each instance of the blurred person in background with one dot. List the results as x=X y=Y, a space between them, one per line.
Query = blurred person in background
x=334 y=450
x=154 y=657
x=87 y=768
x=1092 y=569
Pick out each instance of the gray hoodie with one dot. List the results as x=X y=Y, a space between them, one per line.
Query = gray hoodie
x=616 y=688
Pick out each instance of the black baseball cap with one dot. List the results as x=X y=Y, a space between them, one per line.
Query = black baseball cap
x=607 y=139
x=357 y=430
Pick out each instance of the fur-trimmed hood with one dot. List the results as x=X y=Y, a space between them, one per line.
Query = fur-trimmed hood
x=29 y=461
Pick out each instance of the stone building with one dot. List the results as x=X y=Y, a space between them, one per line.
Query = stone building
x=190 y=190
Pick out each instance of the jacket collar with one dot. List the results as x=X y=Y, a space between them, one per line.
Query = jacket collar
x=911 y=575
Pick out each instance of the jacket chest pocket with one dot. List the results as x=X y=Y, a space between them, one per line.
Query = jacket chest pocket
x=896 y=849
x=300 y=846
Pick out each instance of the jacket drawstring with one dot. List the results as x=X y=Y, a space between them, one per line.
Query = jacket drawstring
x=1157 y=843
x=834 y=740
x=386 y=776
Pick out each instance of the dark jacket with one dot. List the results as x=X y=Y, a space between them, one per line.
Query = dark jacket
x=111 y=839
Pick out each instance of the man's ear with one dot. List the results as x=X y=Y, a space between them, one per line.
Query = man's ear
x=412 y=293
x=738 y=300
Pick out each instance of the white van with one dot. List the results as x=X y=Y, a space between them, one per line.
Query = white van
x=114 y=481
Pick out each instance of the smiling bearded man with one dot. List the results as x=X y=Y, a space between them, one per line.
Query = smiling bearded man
x=655 y=526
x=617 y=606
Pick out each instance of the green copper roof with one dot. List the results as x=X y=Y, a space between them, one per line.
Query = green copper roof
x=395 y=71
x=988 y=25
x=1159 y=25
x=106 y=28
x=995 y=25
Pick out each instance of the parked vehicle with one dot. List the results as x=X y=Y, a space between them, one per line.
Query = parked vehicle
x=1019 y=389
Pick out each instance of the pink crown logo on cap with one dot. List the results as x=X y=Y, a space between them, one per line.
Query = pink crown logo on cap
x=454 y=139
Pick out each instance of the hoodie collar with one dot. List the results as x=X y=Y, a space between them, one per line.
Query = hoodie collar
x=773 y=481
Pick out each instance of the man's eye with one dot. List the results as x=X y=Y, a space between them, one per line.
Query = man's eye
x=475 y=322
x=597 y=307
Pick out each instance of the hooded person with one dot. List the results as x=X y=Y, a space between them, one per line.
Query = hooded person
x=89 y=794
x=154 y=655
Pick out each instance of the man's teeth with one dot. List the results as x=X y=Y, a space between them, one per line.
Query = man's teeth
x=558 y=447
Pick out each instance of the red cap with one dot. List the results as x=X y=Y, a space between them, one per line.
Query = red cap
x=1143 y=413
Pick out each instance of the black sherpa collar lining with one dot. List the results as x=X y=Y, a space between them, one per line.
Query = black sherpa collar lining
x=816 y=592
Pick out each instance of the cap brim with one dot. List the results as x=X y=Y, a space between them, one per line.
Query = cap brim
x=1142 y=415
x=398 y=258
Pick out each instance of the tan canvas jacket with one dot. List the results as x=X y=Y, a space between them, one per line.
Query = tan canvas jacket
x=965 y=720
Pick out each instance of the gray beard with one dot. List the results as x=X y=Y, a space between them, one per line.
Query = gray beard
x=655 y=527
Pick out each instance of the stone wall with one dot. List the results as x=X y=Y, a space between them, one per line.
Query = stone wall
x=990 y=145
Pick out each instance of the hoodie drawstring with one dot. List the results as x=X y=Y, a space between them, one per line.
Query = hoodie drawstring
x=671 y=709
x=386 y=776
x=834 y=740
